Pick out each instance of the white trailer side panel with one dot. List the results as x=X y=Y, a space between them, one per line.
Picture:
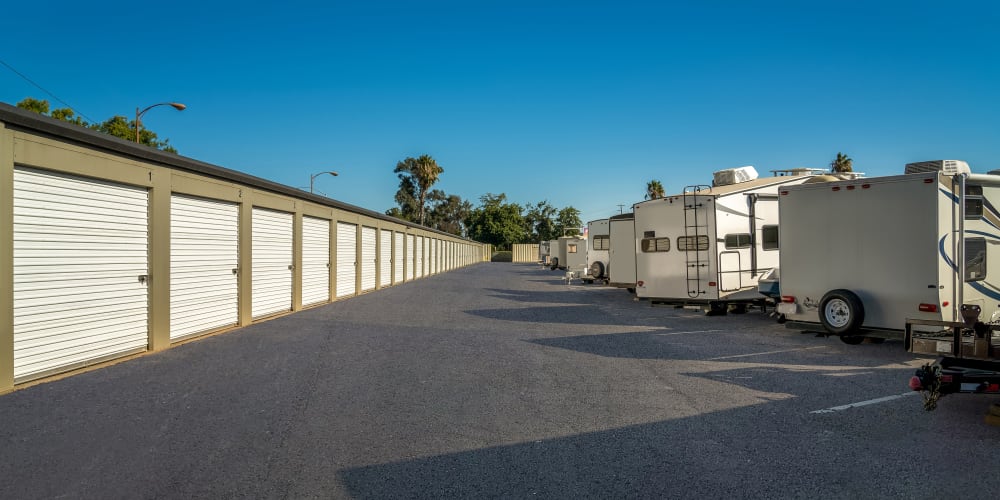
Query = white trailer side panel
x=80 y=261
x=621 y=271
x=204 y=257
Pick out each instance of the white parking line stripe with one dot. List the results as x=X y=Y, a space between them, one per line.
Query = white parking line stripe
x=764 y=353
x=865 y=403
x=694 y=331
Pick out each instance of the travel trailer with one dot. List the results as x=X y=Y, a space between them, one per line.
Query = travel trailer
x=621 y=266
x=598 y=244
x=569 y=253
x=861 y=257
x=709 y=245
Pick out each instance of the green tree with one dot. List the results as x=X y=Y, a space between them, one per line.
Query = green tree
x=422 y=173
x=496 y=222
x=842 y=163
x=118 y=126
x=448 y=212
x=406 y=199
x=568 y=222
x=654 y=190
x=540 y=221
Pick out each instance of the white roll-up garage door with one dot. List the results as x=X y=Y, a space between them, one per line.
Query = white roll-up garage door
x=347 y=247
x=420 y=257
x=204 y=255
x=411 y=256
x=315 y=260
x=369 y=256
x=434 y=257
x=385 y=258
x=398 y=258
x=271 y=257
x=80 y=271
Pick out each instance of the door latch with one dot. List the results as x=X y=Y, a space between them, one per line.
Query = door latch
x=143 y=278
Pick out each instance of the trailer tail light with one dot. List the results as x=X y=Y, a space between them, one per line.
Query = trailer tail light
x=711 y=283
x=788 y=299
x=866 y=186
x=928 y=308
x=640 y=283
x=836 y=188
x=783 y=193
x=928 y=181
x=850 y=188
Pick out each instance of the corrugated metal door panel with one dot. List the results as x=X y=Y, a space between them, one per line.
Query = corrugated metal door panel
x=80 y=247
x=434 y=256
x=315 y=260
x=347 y=247
x=204 y=252
x=369 y=246
x=420 y=257
x=271 y=257
x=411 y=256
x=397 y=258
x=385 y=258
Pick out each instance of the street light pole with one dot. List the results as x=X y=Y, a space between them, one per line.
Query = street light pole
x=313 y=177
x=138 y=114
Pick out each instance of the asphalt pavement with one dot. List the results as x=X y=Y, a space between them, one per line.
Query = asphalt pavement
x=499 y=381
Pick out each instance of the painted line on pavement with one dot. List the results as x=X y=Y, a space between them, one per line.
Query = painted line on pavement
x=765 y=353
x=866 y=403
x=693 y=331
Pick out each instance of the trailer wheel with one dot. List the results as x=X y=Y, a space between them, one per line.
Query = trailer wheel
x=841 y=313
x=555 y=264
x=597 y=269
x=782 y=319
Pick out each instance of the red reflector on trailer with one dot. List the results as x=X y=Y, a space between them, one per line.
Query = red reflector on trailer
x=866 y=186
x=711 y=283
x=640 y=283
x=788 y=299
x=928 y=308
x=836 y=188
x=945 y=304
x=993 y=388
x=947 y=379
x=928 y=181
x=784 y=193
x=850 y=188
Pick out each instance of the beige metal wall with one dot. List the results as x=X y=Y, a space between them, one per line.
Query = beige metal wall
x=47 y=144
x=525 y=252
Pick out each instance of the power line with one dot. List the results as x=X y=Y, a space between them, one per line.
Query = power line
x=29 y=80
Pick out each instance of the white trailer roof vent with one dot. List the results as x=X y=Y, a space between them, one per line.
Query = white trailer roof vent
x=948 y=167
x=734 y=176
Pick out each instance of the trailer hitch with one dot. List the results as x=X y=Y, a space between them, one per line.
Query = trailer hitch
x=928 y=379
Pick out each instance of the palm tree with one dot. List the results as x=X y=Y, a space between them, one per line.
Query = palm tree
x=843 y=163
x=423 y=172
x=654 y=190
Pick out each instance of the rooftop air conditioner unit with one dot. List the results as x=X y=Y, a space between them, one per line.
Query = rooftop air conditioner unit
x=734 y=176
x=948 y=167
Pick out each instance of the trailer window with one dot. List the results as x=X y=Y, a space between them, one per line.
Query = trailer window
x=571 y=247
x=655 y=245
x=737 y=240
x=690 y=243
x=602 y=242
x=975 y=259
x=769 y=237
x=973 y=202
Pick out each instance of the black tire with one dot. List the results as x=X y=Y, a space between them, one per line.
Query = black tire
x=555 y=263
x=782 y=319
x=717 y=309
x=631 y=290
x=597 y=269
x=852 y=339
x=841 y=313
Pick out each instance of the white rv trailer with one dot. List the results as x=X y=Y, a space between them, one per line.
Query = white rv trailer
x=570 y=253
x=621 y=266
x=863 y=256
x=710 y=244
x=598 y=244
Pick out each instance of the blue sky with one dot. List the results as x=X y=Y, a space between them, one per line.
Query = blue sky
x=578 y=103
